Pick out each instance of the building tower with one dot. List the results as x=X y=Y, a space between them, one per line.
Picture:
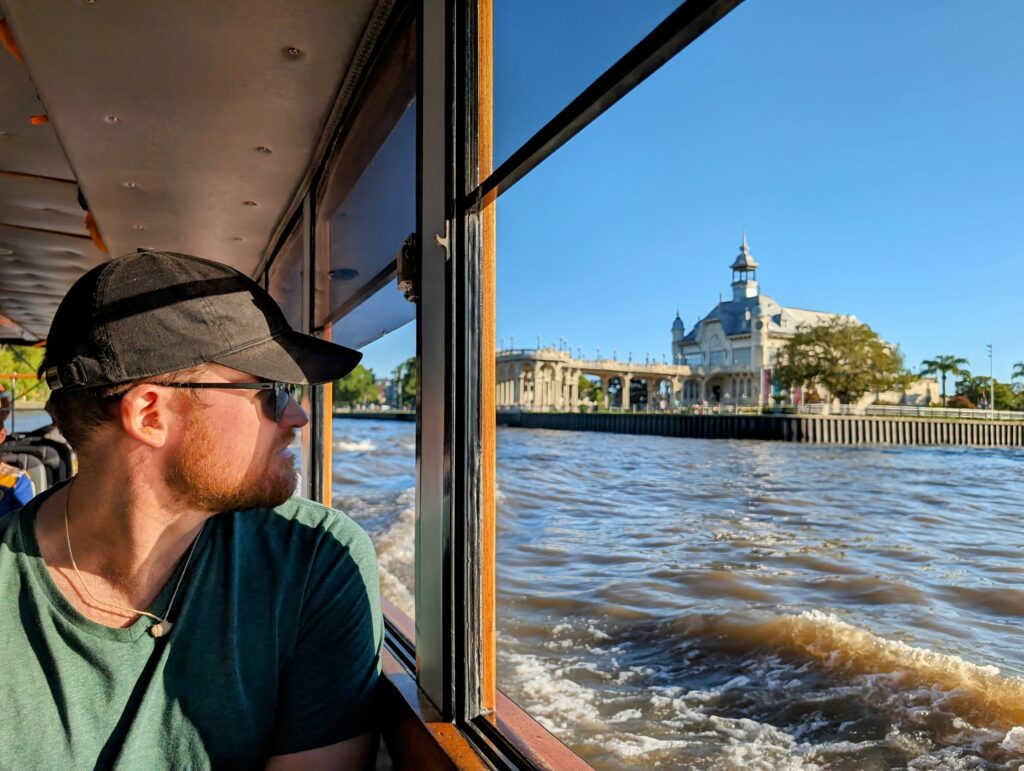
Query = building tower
x=744 y=273
x=678 y=332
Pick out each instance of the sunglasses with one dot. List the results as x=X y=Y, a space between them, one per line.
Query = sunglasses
x=279 y=394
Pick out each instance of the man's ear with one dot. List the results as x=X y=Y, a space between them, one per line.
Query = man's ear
x=146 y=414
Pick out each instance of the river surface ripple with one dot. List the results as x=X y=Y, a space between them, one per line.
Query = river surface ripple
x=684 y=603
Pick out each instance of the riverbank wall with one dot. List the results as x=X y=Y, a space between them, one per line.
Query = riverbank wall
x=807 y=429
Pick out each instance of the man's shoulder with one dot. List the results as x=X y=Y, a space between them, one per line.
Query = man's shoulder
x=310 y=522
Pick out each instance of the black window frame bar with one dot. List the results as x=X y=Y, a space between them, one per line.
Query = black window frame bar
x=317 y=476
x=680 y=28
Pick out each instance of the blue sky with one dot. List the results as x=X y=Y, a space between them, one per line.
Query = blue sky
x=871 y=149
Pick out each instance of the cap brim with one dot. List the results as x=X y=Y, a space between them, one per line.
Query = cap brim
x=294 y=358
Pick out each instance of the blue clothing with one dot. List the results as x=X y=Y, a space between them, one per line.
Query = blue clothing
x=16 y=488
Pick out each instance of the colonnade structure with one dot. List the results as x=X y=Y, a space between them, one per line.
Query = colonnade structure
x=548 y=380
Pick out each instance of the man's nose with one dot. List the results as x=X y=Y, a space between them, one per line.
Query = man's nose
x=294 y=416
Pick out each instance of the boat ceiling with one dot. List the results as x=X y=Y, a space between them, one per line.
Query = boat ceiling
x=187 y=126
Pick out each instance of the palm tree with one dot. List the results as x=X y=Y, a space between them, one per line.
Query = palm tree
x=944 y=365
x=1018 y=371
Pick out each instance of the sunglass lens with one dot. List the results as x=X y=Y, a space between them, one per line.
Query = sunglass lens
x=282 y=393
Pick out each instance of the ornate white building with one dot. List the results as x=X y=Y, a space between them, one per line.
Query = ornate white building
x=737 y=343
x=725 y=360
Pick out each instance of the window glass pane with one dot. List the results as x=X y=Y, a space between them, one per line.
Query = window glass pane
x=286 y=286
x=678 y=602
x=286 y=280
x=546 y=53
x=374 y=457
x=368 y=228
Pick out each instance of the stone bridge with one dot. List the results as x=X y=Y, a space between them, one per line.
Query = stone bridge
x=547 y=379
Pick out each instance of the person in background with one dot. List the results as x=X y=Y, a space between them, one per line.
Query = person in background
x=16 y=487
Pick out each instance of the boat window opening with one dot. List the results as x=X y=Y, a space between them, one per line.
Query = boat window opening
x=681 y=601
x=374 y=462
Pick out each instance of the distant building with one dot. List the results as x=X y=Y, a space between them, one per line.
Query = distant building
x=726 y=359
x=737 y=344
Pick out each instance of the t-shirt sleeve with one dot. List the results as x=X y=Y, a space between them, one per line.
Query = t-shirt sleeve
x=327 y=686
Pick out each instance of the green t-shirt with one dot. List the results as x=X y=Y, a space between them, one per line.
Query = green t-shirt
x=275 y=649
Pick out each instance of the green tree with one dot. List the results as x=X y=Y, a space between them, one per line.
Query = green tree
x=944 y=365
x=406 y=377
x=23 y=359
x=846 y=357
x=590 y=389
x=977 y=389
x=1018 y=371
x=357 y=387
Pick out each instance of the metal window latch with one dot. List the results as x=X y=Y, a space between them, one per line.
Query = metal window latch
x=408 y=263
x=443 y=241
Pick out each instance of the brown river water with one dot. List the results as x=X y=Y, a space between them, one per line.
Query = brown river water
x=683 y=603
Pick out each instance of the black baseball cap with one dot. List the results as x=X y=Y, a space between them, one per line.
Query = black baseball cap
x=153 y=312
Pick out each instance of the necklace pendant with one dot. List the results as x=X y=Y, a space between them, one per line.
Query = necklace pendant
x=160 y=629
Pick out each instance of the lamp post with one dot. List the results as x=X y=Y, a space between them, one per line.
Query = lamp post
x=991 y=381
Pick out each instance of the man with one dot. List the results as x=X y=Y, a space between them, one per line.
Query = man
x=172 y=606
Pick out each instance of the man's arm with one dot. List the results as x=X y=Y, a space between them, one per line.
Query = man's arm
x=359 y=752
x=326 y=706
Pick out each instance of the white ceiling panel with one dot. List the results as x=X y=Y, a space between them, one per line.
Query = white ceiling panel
x=163 y=107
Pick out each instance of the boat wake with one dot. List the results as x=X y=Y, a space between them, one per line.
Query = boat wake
x=799 y=691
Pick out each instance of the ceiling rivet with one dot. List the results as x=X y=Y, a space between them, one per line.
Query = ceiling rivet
x=250 y=203
x=293 y=52
x=112 y=119
x=129 y=185
x=264 y=150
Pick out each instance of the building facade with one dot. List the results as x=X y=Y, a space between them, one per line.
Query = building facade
x=727 y=360
x=736 y=345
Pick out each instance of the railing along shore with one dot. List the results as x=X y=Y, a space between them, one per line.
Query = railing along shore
x=807 y=429
x=883 y=430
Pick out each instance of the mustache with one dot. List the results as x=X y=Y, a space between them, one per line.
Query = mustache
x=289 y=438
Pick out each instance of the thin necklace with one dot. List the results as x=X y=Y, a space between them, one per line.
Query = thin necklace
x=163 y=626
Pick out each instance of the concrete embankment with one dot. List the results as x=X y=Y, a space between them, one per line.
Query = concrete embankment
x=810 y=429
x=408 y=416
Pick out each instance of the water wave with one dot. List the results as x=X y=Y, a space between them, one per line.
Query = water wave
x=977 y=693
x=363 y=445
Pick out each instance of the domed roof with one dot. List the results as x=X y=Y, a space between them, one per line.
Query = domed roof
x=678 y=323
x=744 y=260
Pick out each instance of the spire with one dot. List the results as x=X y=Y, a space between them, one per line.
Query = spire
x=744 y=272
x=744 y=260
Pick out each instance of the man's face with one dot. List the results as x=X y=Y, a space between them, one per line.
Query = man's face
x=232 y=456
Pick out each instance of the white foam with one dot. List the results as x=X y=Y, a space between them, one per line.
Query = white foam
x=1014 y=740
x=395 y=556
x=364 y=445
